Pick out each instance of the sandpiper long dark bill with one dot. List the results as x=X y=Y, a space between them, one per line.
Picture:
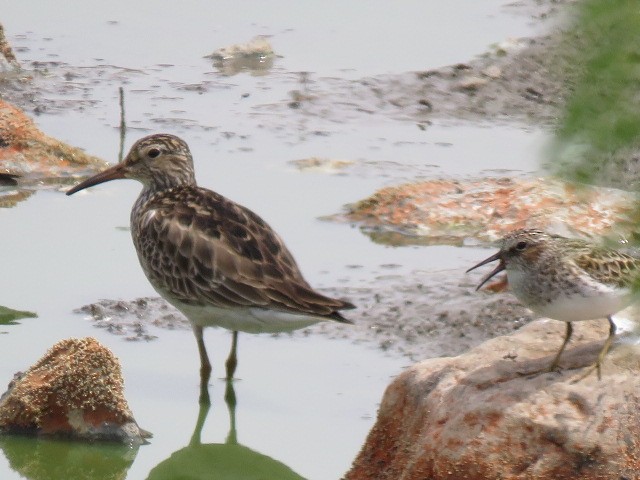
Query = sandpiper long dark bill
x=566 y=279
x=216 y=261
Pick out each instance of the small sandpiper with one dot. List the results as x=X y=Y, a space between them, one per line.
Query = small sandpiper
x=566 y=279
x=216 y=261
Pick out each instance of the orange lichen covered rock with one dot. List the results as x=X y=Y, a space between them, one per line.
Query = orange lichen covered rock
x=26 y=151
x=486 y=414
x=75 y=390
x=489 y=208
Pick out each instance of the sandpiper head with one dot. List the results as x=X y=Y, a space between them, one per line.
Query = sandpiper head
x=161 y=161
x=519 y=249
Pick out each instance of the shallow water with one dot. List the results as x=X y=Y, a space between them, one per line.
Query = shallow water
x=306 y=402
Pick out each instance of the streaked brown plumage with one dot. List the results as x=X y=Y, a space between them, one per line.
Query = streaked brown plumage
x=206 y=249
x=216 y=261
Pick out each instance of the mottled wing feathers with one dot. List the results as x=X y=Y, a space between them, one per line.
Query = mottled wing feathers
x=204 y=248
x=608 y=266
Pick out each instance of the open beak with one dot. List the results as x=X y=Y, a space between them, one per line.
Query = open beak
x=494 y=272
x=113 y=173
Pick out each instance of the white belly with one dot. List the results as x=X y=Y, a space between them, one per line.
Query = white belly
x=249 y=320
x=576 y=308
x=242 y=319
x=591 y=301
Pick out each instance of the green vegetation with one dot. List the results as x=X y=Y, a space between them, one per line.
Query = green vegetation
x=9 y=316
x=600 y=130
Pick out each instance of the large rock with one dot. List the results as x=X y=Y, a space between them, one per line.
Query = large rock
x=26 y=151
x=76 y=391
x=486 y=414
x=451 y=211
x=30 y=159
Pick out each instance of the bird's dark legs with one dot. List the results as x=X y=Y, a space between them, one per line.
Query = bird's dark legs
x=602 y=354
x=607 y=344
x=232 y=360
x=567 y=336
x=205 y=366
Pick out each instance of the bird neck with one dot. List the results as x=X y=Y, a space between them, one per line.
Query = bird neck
x=153 y=189
x=159 y=183
x=166 y=180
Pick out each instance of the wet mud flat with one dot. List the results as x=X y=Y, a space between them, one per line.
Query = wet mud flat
x=519 y=80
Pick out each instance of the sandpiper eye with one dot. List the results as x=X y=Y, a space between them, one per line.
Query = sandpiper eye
x=153 y=153
x=521 y=245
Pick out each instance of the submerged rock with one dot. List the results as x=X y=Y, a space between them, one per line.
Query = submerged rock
x=487 y=414
x=76 y=391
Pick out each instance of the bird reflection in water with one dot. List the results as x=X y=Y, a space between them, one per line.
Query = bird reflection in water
x=220 y=461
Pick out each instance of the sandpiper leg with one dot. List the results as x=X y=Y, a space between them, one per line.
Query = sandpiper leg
x=607 y=344
x=205 y=366
x=232 y=360
x=601 y=355
x=567 y=336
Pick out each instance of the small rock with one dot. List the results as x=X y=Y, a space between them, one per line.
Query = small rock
x=76 y=391
x=325 y=165
x=531 y=93
x=255 y=56
x=509 y=45
x=425 y=105
x=461 y=66
x=471 y=83
x=492 y=71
